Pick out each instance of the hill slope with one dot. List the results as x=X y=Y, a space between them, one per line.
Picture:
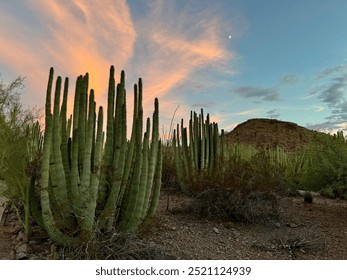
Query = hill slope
x=271 y=133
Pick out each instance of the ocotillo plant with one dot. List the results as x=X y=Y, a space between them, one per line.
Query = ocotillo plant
x=87 y=184
x=201 y=152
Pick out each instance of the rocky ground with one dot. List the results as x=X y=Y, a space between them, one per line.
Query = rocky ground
x=299 y=231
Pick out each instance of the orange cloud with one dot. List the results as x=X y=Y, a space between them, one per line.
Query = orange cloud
x=79 y=36
x=177 y=45
x=164 y=47
x=88 y=36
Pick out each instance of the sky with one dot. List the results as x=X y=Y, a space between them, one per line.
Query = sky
x=236 y=59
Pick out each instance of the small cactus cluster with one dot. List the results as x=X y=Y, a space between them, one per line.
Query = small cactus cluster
x=308 y=198
x=91 y=180
x=202 y=151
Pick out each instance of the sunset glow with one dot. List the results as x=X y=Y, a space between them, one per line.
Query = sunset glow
x=233 y=58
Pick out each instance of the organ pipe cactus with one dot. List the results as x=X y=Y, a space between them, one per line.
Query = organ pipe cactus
x=86 y=183
x=201 y=152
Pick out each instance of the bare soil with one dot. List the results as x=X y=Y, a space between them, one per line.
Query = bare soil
x=299 y=231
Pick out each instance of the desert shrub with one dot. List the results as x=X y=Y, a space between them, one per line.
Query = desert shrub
x=336 y=190
x=14 y=121
x=245 y=191
x=327 y=164
x=16 y=146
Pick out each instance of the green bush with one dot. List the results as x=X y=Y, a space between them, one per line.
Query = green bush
x=17 y=149
x=327 y=163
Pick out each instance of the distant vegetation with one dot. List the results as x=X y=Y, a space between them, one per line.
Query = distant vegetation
x=326 y=165
x=16 y=126
x=323 y=157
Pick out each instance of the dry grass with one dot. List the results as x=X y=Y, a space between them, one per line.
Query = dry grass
x=112 y=245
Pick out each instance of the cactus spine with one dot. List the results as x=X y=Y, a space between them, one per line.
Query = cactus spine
x=88 y=184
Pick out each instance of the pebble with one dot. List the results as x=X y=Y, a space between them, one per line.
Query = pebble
x=292 y=225
x=13 y=255
x=33 y=242
x=15 y=228
x=216 y=230
x=236 y=233
x=21 y=251
x=278 y=225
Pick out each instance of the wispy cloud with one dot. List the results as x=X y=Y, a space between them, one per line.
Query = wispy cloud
x=334 y=93
x=258 y=93
x=74 y=37
x=163 y=44
x=290 y=79
x=328 y=127
x=203 y=105
x=176 y=44
x=318 y=108
x=272 y=114
x=245 y=113
x=331 y=70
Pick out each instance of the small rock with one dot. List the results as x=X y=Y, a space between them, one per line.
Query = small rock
x=278 y=225
x=22 y=256
x=12 y=255
x=33 y=242
x=34 y=257
x=173 y=228
x=293 y=225
x=21 y=252
x=15 y=228
x=216 y=230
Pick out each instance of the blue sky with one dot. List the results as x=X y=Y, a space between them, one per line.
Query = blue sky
x=238 y=59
